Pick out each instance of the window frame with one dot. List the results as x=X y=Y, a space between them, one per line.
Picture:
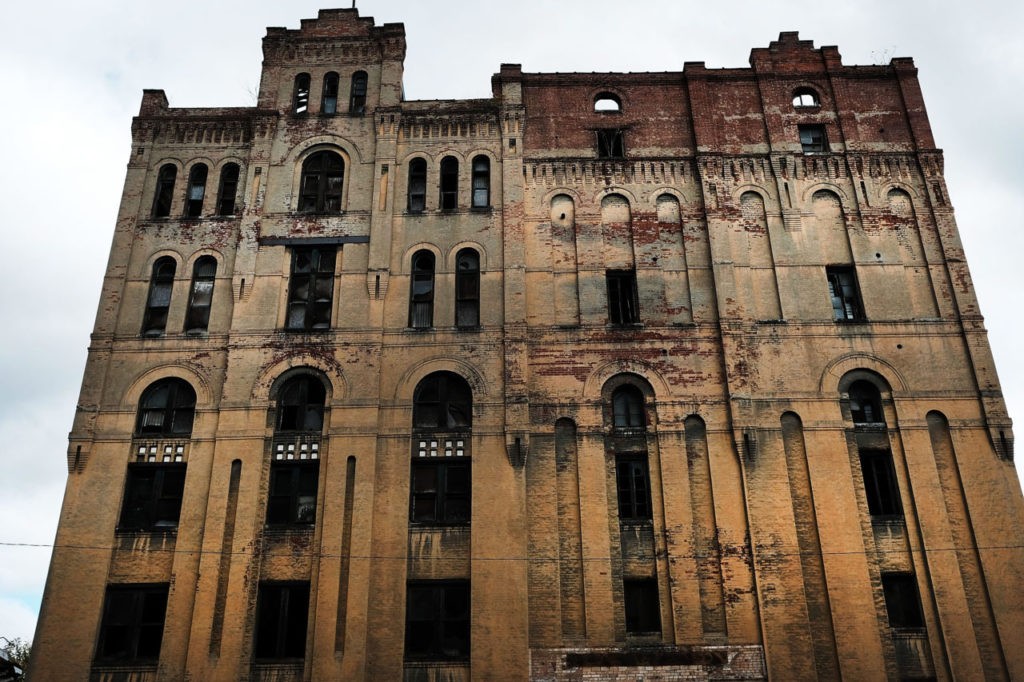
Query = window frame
x=195 y=190
x=633 y=500
x=322 y=183
x=623 y=298
x=158 y=300
x=163 y=196
x=140 y=619
x=292 y=417
x=421 y=290
x=278 y=624
x=467 y=289
x=641 y=601
x=629 y=410
x=865 y=399
x=416 y=190
x=200 y=303
x=881 y=487
x=317 y=281
x=448 y=502
x=844 y=293
x=449 y=627
x=813 y=138
x=454 y=397
x=300 y=94
x=448 y=194
x=292 y=484
x=227 y=192
x=801 y=97
x=480 y=184
x=357 y=93
x=171 y=409
x=158 y=508
x=329 y=94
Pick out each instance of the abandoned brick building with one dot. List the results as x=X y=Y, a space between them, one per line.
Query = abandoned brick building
x=677 y=374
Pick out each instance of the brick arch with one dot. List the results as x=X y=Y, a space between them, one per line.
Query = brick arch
x=270 y=376
x=453 y=253
x=179 y=261
x=770 y=204
x=837 y=369
x=145 y=379
x=217 y=256
x=410 y=379
x=808 y=195
x=405 y=267
x=599 y=377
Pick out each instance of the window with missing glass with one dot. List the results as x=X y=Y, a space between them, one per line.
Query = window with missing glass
x=158 y=302
x=282 y=615
x=166 y=409
x=902 y=601
x=311 y=288
x=293 y=491
x=421 y=291
x=880 y=485
x=844 y=293
x=623 y=304
x=200 y=296
x=329 y=99
x=642 y=606
x=152 y=497
x=633 y=485
x=196 y=190
x=611 y=144
x=437 y=621
x=467 y=289
x=812 y=138
x=440 y=491
x=226 y=195
x=323 y=174
x=132 y=625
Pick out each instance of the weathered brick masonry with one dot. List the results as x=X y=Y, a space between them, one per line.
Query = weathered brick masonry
x=672 y=376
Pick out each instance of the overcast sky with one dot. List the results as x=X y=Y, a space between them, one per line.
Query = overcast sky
x=72 y=74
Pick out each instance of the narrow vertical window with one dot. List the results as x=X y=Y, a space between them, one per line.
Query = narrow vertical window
x=300 y=100
x=417 y=185
x=866 y=403
x=842 y=289
x=634 y=487
x=623 y=306
x=628 y=408
x=643 y=608
x=282 y=614
x=323 y=174
x=132 y=626
x=880 y=485
x=421 y=293
x=902 y=601
x=228 y=189
x=164 y=191
x=196 y=190
x=481 y=181
x=200 y=296
x=357 y=98
x=329 y=102
x=467 y=289
x=154 y=322
x=311 y=288
x=449 y=183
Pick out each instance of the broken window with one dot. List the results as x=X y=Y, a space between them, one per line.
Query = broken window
x=322 y=176
x=200 y=297
x=467 y=289
x=449 y=183
x=152 y=497
x=421 y=291
x=607 y=101
x=228 y=189
x=437 y=617
x=300 y=405
x=880 y=486
x=633 y=484
x=443 y=401
x=161 y=284
x=166 y=408
x=440 y=491
x=610 y=144
x=805 y=97
x=902 y=601
x=311 y=288
x=132 y=626
x=643 y=608
x=812 y=138
x=842 y=288
x=196 y=190
x=623 y=306
x=357 y=97
x=293 y=488
x=417 y=185
x=329 y=101
x=300 y=99
x=164 y=190
x=282 y=613
x=865 y=403
x=481 y=181
x=628 y=408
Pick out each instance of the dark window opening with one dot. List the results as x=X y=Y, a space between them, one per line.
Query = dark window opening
x=417 y=186
x=607 y=101
x=166 y=409
x=282 y=612
x=633 y=485
x=152 y=497
x=154 y=321
x=443 y=401
x=643 y=608
x=481 y=181
x=322 y=176
x=610 y=144
x=311 y=288
x=164 y=191
x=449 y=183
x=421 y=291
x=902 y=601
x=132 y=626
x=293 y=489
x=805 y=97
x=300 y=101
x=228 y=189
x=300 y=405
x=467 y=289
x=845 y=296
x=880 y=485
x=437 y=621
x=812 y=138
x=200 y=298
x=440 y=491
x=628 y=408
x=357 y=98
x=329 y=100
x=623 y=305
x=866 y=403
x=196 y=190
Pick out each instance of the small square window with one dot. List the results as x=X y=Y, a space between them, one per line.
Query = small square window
x=437 y=621
x=643 y=608
x=845 y=295
x=902 y=601
x=812 y=139
x=610 y=144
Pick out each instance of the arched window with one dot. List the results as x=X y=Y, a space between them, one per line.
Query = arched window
x=441 y=474
x=154 y=322
x=607 y=101
x=300 y=405
x=196 y=190
x=417 y=185
x=329 y=102
x=300 y=100
x=481 y=181
x=164 y=190
x=421 y=291
x=805 y=97
x=357 y=98
x=443 y=401
x=467 y=289
x=166 y=409
x=322 y=176
x=865 y=403
x=200 y=295
x=228 y=189
x=628 y=408
x=449 y=183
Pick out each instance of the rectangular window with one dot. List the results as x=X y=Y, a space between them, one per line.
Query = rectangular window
x=152 y=497
x=633 y=484
x=133 y=624
x=902 y=601
x=842 y=288
x=440 y=492
x=610 y=144
x=293 y=487
x=880 y=485
x=437 y=621
x=623 y=306
x=812 y=138
x=311 y=288
x=282 y=612
x=643 y=608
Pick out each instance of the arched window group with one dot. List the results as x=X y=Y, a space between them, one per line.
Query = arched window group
x=161 y=288
x=330 y=93
x=195 y=191
x=448 y=183
x=467 y=289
